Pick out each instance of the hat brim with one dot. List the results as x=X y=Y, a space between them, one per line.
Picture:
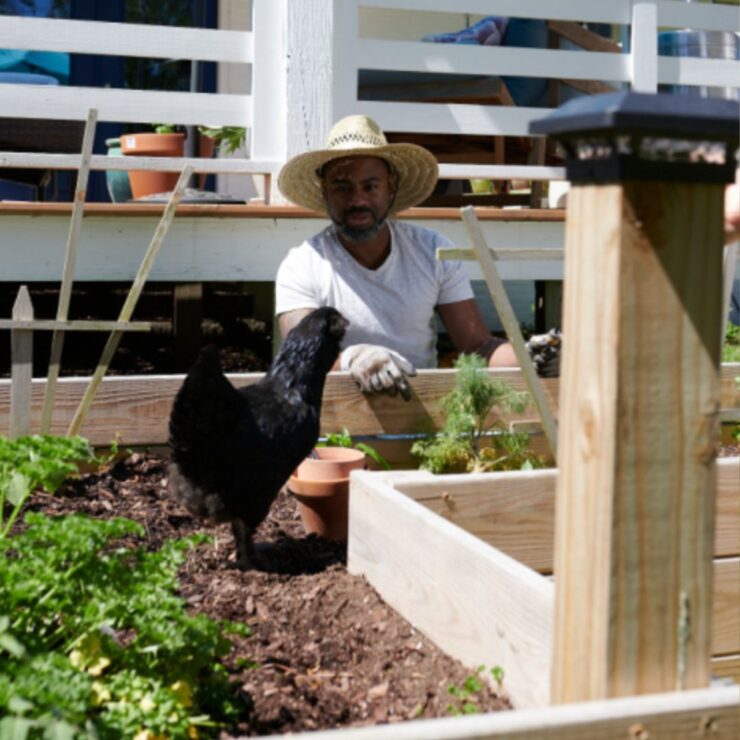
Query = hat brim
x=417 y=170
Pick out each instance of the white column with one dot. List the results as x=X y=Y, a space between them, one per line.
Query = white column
x=644 y=46
x=322 y=74
x=269 y=83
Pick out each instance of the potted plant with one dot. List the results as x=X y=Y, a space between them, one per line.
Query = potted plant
x=471 y=441
x=226 y=138
x=320 y=484
x=164 y=142
x=117 y=181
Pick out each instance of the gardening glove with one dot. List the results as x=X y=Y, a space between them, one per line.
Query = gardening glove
x=544 y=349
x=377 y=369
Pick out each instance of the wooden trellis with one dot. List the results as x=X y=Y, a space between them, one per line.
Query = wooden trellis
x=485 y=257
x=23 y=324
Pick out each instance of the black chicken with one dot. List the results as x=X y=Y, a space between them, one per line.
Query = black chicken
x=232 y=450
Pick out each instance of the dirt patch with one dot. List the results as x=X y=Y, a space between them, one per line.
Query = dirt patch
x=325 y=650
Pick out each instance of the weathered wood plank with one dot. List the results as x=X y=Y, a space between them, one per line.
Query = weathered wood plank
x=726 y=666
x=131 y=300
x=513 y=330
x=726 y=607
x=686 y=714
x=634 y=501
x=138 y=407
x=70 y=260
x=74 y=325
x=476 y=603
x=21 y=370
x=515 y=511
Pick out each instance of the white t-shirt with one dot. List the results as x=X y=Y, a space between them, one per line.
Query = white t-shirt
x=392 y=306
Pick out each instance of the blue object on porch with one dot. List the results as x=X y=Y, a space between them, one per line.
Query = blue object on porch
x=513 y=32
x=701 y=45
x=487 y=32
x=27 y=78
x=524 y=32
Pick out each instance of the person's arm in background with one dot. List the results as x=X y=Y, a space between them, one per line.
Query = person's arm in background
x=732 y=212
x=468 y=331
x=469 y=334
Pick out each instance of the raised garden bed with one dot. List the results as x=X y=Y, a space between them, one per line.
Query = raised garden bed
x=492 y=608
x=326 y=651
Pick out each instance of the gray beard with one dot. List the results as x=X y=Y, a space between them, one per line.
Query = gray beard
x=358 y=236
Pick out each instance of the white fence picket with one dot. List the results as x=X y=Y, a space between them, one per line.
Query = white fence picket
x=280 y=105
x=125 y=39
x=494 y=60
x=699 y=17
x=597 y=11
x=141 y=106
x=440 y=118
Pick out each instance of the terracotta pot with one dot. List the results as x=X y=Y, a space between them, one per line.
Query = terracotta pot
x=321 y=488
x=152 y=145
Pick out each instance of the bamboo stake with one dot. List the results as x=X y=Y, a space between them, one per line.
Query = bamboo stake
x=131 y=300
x=53 y=325
x=65 y=292
x=511 y=325
x=21 y=359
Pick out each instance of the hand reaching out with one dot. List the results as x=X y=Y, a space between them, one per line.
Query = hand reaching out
x=377 y=369
x=544 y=349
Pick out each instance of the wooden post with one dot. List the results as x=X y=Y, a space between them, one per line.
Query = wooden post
x=131 y=300
x=21 y=359
x=634 y=521
x=511 y=325
x=70 y=260
x=636 y=489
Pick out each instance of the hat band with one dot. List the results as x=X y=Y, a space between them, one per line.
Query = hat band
x=356 y=138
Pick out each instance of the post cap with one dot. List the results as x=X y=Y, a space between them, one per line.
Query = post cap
x=661 y=114
x=629 y=135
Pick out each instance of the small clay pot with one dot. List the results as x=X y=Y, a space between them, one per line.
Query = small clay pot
x=321 y=488
x=149 y=182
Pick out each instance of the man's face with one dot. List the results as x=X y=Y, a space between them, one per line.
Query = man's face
x=358 y=192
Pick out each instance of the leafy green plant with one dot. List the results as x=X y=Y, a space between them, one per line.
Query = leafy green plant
x=344 y=439
x=42 y=461
x=466 y=694
x=469 y=441
x=231 y=137
x=731 y=348
x=95 y=641
x=164 y=128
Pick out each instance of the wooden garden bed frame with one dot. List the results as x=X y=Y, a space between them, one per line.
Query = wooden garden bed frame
x=476 y=576
x=135 y=409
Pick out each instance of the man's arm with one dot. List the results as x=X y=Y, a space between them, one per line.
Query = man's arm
x=469 y=333
x=289 y=319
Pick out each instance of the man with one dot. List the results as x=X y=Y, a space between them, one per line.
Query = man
x=382 y=275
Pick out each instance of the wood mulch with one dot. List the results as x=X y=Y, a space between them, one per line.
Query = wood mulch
x=325 y=650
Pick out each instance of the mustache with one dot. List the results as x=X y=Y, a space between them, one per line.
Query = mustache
x=358 y=209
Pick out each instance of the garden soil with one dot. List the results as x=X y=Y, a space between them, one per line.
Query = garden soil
x=325 y=650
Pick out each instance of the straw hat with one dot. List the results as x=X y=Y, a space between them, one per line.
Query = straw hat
x=300 y=182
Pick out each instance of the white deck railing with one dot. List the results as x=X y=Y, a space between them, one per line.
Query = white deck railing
x=640 y=69
x=304 y=58
x=131 y=105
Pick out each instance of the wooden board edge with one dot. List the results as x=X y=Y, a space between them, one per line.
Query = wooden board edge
x=433 y=579
x=698 y=713
x=726 y=667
